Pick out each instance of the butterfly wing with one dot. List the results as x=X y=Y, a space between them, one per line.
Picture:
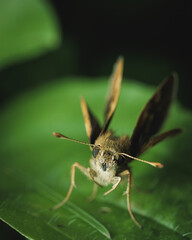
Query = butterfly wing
x=91 y=124
x=114 y=91
x=152 y=117
x=153 y=141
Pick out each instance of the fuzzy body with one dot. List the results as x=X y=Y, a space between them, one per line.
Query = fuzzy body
x=108 y=163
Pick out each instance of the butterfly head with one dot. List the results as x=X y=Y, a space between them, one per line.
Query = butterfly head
x=104 y=164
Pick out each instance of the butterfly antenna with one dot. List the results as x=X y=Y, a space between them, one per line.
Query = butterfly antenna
x=59 y=135
x=154 y=164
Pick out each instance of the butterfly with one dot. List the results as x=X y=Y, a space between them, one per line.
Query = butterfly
x=111 y=155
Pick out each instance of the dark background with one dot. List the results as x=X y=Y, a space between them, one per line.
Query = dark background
x=153 y=36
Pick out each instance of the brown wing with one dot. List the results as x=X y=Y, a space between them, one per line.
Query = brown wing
x=152 y=117
x=91 y=124
x=114 y=91
x=153 y=141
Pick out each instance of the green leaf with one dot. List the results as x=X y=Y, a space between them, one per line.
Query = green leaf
x=35 y=168
x=27 y=28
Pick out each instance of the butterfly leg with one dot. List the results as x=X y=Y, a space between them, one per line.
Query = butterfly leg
x=128 y=173
x=83 y=170
x=94 y=193
x=135 y=187
x=116 y=180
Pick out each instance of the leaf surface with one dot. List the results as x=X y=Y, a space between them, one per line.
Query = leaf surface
x=35 y=168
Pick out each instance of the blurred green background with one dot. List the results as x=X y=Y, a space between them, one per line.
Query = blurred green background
x=44 y=41
x=41 y=41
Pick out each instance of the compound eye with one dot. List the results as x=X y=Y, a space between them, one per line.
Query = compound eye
x=95 y=152
x=120 y=159
x=104 y=166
